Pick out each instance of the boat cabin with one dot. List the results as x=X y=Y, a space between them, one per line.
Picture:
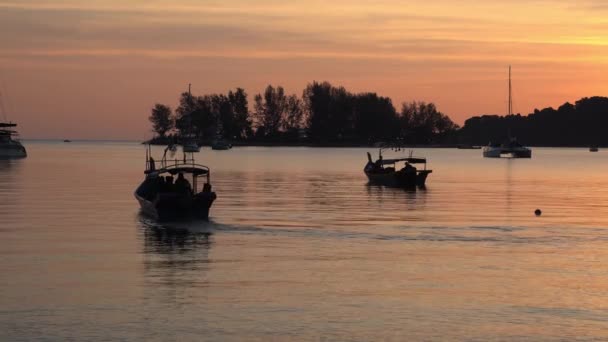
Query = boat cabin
x=175 y=188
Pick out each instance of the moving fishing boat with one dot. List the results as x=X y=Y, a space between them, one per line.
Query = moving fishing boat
x=165 y=199
x=385 y=171
x=9 y=147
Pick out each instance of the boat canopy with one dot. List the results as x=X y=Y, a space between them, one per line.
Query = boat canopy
x=411 y=160
x=196 y=170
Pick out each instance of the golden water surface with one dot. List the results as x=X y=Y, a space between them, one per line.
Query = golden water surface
x=300 y=247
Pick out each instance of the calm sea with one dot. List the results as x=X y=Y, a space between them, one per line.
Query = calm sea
x=299 y=247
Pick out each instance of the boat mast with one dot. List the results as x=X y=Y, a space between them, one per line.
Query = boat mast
x=510 y=99
x=2 y=110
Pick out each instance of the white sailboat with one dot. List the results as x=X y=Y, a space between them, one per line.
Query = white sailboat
x=189 y=142
x=510 y=148
x=9 y=147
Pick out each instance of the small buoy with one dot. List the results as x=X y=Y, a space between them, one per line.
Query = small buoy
x=537 y=212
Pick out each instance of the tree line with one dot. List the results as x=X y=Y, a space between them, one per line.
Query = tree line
x=323 y=114
x=580 y=124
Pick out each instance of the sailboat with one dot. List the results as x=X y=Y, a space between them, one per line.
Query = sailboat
x=9 y=148
x=188 y=141
x=510 y=148
x=219 y=143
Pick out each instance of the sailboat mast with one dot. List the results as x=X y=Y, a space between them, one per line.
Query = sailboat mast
x=510 y=99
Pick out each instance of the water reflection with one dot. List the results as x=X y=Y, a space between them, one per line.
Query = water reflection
x=411 y=197
x=175 y=254
x=509 y=190
x=10 y=187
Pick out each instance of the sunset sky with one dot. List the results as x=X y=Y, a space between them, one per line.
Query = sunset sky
x=93 y=69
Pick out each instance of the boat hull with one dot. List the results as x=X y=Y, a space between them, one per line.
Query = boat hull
x=508 y=153
x=191 y=149
x=174 y=206
x=14 y=150
x=399 y=178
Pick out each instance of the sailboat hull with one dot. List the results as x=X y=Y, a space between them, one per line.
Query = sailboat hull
x=13 y=150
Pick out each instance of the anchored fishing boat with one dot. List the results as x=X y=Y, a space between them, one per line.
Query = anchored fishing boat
x=163 y=198
x=385 y=171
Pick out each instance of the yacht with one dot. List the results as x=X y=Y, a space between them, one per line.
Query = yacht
x=510 y=148
x=9 y=147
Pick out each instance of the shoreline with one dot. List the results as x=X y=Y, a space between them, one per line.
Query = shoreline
x=352 y=145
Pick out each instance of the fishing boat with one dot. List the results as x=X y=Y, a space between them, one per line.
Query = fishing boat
x=9 y=147
x=164 y=199
x=385 y=171
x=593 y=149
x=511 y=147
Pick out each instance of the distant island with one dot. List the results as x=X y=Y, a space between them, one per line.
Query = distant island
x=326 y=115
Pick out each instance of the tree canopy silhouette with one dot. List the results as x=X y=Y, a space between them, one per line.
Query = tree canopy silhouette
x=579 y=124
x=325 y=114
x=161 y=119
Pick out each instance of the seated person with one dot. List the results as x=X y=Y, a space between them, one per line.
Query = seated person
x=182 y=184
x=408 y=168
x=169 y=186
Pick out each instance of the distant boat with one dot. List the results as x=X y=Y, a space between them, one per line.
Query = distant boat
x=593 y=149
x=220 y=144
x=468 y=147
x=188 y=140
x=190 y=146
x=9 y=147
x=510 y=148
x=67 y=140
x=407 y=177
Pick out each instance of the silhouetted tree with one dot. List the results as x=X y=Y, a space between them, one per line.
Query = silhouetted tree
x=330 y=112
x=242 y=122
x=161 y=119
x=269 y=110
x=293 y=117
x=375 y=118
x=422 y=123
x=183 y=113
x=581 y=124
